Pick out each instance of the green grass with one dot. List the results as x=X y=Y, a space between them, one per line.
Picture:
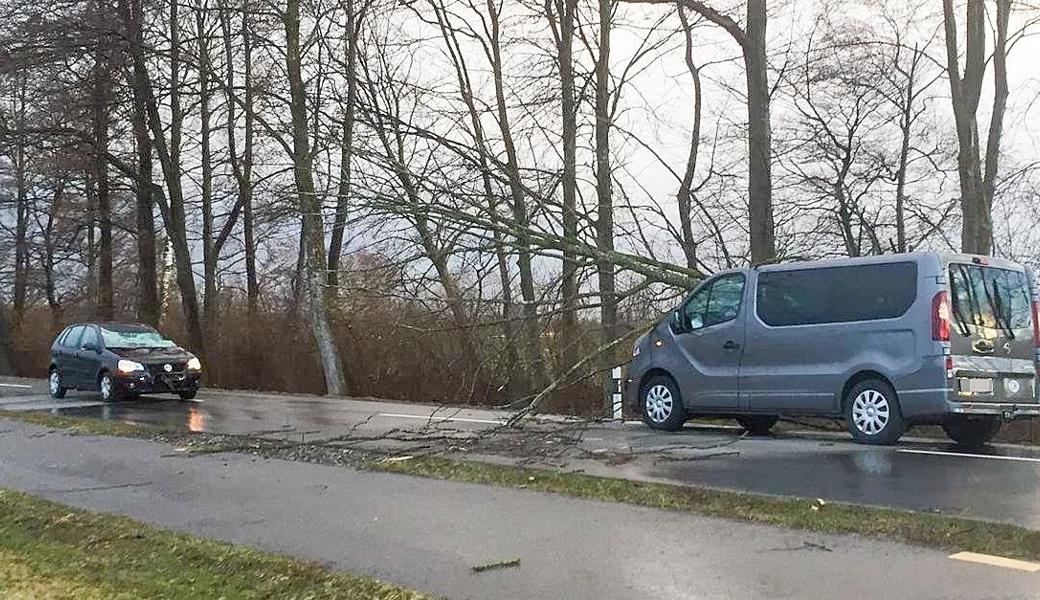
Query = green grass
x=938 y=531
x=88 y=426
x=51 y=551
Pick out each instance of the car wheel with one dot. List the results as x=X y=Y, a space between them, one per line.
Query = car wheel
x=662 y=406
x=55 y=385
x=872 y=413
x=188 y=395
x=971 y=431
x=108 y=389
x=758 y=424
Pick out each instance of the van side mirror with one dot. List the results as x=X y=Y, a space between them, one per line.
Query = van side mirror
x=678 y=321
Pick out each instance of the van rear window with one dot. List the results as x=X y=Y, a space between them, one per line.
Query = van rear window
x=989 y=297
x=836 y=294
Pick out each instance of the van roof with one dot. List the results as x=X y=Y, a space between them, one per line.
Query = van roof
x=942 y=258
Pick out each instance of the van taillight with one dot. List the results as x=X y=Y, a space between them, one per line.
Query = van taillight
x=941 y=317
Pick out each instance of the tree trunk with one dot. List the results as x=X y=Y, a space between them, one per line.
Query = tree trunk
x=760 y=199
x=102 y=96
x=21 y=242
x=685 y=195
x=535 y=367
x=310 y=207
x=346 y=152
x=569 y=333
x=605 y=207
x=210 y=253
x=148 y=309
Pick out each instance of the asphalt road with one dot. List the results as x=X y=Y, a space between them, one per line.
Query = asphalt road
x=999 y=483
x=428 y=534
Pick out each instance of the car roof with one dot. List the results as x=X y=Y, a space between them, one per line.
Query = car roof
x=918 y=257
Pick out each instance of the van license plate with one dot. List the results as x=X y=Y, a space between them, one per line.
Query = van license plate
x=976 y=385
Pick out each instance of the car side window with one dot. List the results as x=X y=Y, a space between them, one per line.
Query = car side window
x=89 y=337
x=72 y=339
x=717 y=302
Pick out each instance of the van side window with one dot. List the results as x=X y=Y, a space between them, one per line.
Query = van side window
x=715 y=303
x=836 y=294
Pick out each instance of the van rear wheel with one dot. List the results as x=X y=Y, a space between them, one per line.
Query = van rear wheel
x=758 y=424
x=872 y=413
x=661 y=404
x=971 y=431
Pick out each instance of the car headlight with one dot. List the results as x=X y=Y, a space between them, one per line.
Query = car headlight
x=129 y=366
x=194 y=364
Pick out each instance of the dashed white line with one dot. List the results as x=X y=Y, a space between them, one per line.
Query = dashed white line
x=441 y=419
x=969 y=455
x=16 y=385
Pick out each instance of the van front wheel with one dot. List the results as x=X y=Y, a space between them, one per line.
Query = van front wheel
x=872 y=413
x=971 y=431
x=661 y=404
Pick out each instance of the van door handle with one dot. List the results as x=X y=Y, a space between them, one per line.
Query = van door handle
x=730 y=345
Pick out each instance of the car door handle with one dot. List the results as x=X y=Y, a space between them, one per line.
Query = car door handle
x=730 y=345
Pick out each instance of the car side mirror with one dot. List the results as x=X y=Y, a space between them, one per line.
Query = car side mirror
x=91 y=346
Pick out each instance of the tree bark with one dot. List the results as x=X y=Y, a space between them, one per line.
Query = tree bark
x=569 y=332
x=21 y=242
x=102 y=96
x=760 y=199
x=605 y=207
x=310 y=207
x=346 y=150
x=685 y=195
x=148 y=309
x=210 y=253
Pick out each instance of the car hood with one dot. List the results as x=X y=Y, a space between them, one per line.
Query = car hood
x=154 y=355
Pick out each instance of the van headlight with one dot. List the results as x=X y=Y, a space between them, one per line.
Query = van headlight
x=129 y=366
x=635 y=350
x=194 y=364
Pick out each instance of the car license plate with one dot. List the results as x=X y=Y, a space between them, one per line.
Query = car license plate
x=976 y=385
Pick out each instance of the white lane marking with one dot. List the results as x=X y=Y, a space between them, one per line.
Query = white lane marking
x=969 y=455
x=440 y=419
x=16 y=385
x=997 y=561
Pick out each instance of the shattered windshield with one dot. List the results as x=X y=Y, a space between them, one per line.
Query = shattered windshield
x=134 y=338
x=989 y=297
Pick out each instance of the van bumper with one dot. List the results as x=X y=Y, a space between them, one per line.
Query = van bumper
x=1007 y=410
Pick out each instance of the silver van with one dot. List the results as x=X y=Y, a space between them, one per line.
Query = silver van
x=884 y=342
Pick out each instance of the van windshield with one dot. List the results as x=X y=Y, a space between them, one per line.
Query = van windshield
x=989 y=297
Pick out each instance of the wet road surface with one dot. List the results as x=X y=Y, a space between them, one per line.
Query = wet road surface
x=999 y=482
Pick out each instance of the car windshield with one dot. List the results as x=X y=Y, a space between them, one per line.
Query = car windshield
x=134 y=338
x=989 y=297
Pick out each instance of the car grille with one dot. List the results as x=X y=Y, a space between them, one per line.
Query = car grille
x=159 y=369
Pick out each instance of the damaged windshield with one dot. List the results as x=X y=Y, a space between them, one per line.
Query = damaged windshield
x=989 y=297
x=134 y=337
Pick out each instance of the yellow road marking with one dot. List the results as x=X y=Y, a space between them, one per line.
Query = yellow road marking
x=997 y=561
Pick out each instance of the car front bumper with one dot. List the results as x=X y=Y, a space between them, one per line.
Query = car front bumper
x=144 y=382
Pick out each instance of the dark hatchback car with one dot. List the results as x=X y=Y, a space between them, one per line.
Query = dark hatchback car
x=121 y=361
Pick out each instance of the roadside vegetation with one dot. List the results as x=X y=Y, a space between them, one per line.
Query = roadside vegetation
x=52 y=551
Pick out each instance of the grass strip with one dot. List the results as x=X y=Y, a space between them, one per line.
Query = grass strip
x=49 y=550
x=88 y=426
x=923 y=529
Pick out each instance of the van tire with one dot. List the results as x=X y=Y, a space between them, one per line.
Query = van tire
x=667 y=412
x=971 y=432
x=758 y=424
x=874 y=403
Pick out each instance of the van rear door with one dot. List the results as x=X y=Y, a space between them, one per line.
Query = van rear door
x=992 y=338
